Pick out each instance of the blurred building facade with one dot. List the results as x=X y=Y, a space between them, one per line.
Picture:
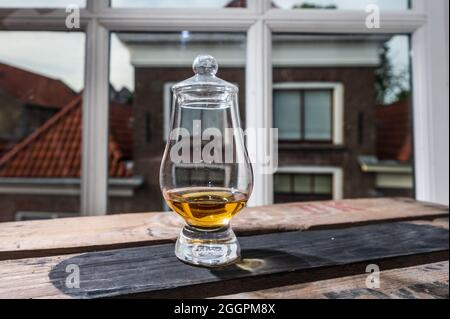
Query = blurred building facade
x=334 y=140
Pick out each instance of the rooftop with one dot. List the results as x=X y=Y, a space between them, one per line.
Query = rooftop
x=54 y=150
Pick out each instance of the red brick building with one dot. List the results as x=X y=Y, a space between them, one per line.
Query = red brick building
x=324 y=106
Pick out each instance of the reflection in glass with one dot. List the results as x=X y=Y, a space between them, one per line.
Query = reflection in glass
x=341 y=4
x=179 y=3
x=144 y=68
x=342 y=104
x=318 y=113
x=40 y=124
x=287 y=114
x=41 y=3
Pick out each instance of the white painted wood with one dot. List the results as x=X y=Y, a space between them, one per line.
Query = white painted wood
x=341 y=21
x=259 y=107
x=178 y=19
x=431 y=103
x=338 y=175
x=94 y=186
x=163 y=50
x=35 y=20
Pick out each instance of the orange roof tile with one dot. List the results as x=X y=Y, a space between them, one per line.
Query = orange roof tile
x=394 y=132
x=54 y=150
x=120 y=123
x=33 y=88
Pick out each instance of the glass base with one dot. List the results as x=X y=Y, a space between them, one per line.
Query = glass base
x=208 y=248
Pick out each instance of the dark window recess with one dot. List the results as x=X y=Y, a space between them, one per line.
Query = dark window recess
x=303 y=116
x=302 y=187
x=191 y=176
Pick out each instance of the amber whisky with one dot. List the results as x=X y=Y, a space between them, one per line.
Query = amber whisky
x=206 y=207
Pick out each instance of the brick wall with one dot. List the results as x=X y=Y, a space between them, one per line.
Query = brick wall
x=359 y=104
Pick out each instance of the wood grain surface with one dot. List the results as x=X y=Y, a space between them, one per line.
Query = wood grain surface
x=270 y=260
x=429 y=281
x=84 y=234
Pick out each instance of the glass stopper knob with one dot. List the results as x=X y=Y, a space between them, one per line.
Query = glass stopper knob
x=205 y=65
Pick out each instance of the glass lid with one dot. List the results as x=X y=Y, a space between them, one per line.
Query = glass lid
x=205 y=68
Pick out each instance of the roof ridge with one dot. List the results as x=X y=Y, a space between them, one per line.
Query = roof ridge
x=22 y=69
x=41 y=130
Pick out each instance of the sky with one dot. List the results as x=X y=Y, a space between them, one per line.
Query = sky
x=58 y=55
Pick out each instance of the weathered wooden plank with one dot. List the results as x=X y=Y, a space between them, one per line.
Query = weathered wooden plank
x=73 y=235
x=430 y=281
x=272 y=259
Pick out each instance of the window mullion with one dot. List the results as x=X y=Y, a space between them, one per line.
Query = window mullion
x=94 y=185
x=259 y=107
x=96 y=6
x=431 y=102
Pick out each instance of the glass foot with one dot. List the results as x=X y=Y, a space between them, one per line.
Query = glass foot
x=208 y=248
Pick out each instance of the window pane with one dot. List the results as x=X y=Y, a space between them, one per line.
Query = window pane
x=323 y=184
x=179 y=3
x=144 y=66
x=282 y=183
x=287 y=115
x=40 y=124
x=357 y=104
x=41 y=3
x=302 y=184
x=318 y=115
x=341 y=4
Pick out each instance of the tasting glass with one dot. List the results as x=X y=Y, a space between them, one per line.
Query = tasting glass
x=206 y=176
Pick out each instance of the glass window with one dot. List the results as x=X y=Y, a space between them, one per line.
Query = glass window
x=302 y=187
x=41 y=3
x=40 y=124
x=287 y=114
x=341 y=4
x=323 y=184
x=303 y=115
x=344 y=101
x=302 y=184
x=318 y=114
x=282 y=183
x=144 y=66
x=179 y=3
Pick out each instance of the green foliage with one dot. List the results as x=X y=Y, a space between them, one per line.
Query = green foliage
x=307 y=5
x=390 y=87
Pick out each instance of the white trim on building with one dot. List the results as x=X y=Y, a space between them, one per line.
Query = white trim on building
x=338 y=102
x=336 y=172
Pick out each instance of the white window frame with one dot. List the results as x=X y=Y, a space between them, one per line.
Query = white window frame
x=338 y=102
x=336 y=173
x=427 y=22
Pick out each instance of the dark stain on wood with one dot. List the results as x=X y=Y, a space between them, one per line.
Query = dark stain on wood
x=155 y=271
